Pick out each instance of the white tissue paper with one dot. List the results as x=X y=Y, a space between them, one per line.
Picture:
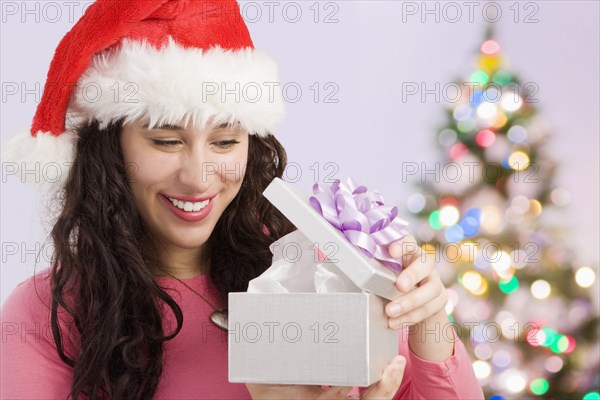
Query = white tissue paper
x=295 y=268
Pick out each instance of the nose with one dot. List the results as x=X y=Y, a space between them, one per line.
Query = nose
x=197 y=170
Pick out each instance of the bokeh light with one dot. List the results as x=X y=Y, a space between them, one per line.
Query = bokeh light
x=447 y=137
x=585 y=277
x=553 y=364
x=483 y=351
x=591 y=396
x=540 y=289
x=485 y=138
x=434 y=220
x=479 y=78
x=491 y=220
x=490 y=47
x=501 y=358
x=500 y=261
x=539 y=386
x=482 y=369
x=511 y=101
x=509 y=285
x=449 y=215
x=416 y=203
x=462 y=112
x=514 y=380
x=486 y=110
x=502 y=78
x=458 y=150
x=517 y=134
x=560 y=197
x=518 y=161
x=474 y=282
x=535 y=207
x=454 y=234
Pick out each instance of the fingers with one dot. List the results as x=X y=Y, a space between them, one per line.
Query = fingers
x=429 y=290
x=336 y=392
x=285 y=391
x=420 y=313
x=389 y=384
x=419 y=268
x=406 y=249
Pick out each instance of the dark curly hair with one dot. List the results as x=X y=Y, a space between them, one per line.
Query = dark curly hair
x=101 y=246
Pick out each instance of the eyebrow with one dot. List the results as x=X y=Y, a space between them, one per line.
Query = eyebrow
x=170 y=127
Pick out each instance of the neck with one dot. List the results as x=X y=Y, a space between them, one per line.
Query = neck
x=180 y=273
x=182 y=263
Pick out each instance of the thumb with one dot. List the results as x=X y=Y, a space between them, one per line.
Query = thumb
x=389 y=384
x=283 y=391
x=336 y=392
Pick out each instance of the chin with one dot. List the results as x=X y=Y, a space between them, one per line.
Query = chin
x=189 y=242
x=173 y=236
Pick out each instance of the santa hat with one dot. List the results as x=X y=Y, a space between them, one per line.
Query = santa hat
x=165 y=60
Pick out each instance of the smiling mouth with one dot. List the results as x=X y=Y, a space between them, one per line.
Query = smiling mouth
x=189 y=206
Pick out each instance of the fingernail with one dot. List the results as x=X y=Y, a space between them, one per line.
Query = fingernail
x=403 y=283
x=395 y=309
x=396 y=323
x=394 y=251
x=344 y=390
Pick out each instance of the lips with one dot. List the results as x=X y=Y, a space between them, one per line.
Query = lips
x=188 y=216
x=193 y=199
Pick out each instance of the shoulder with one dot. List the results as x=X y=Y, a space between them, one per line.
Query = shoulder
x=29 y=298
x=31 y=366
x=27 y=311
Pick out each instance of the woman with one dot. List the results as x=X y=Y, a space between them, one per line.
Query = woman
x=161 y=216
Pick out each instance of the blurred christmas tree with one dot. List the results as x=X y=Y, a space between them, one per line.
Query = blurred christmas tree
x=515 y=293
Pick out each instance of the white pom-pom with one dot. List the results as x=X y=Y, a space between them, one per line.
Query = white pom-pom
x=43 y=160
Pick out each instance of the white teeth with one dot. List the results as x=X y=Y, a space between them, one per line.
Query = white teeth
x=188 y=205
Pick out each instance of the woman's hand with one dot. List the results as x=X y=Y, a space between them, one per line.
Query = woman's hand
x=386 y=388
x=425 y=295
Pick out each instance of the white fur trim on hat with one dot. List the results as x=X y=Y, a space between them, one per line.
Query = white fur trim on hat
x=174 y=84
x=44 y=160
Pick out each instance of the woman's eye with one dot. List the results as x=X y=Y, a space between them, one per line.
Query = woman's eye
x=166 y=143
x=225 y=144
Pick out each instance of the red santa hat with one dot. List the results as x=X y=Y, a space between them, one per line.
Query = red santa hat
x=164 y=60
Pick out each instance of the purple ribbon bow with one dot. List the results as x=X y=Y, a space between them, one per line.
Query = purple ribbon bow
x=362 y=217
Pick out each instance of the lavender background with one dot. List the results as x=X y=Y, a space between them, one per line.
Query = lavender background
x=367 y=54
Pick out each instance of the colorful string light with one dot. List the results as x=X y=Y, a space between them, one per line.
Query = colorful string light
x=494 y=126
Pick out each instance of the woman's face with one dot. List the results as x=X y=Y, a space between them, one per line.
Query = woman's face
x=183 y=178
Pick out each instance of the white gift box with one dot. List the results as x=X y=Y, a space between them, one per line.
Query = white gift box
x=308 y=322
x=339 y=339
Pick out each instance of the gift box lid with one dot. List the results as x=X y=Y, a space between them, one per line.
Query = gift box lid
x=368 y=274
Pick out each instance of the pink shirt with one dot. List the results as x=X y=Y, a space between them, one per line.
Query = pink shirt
x=195 y=361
